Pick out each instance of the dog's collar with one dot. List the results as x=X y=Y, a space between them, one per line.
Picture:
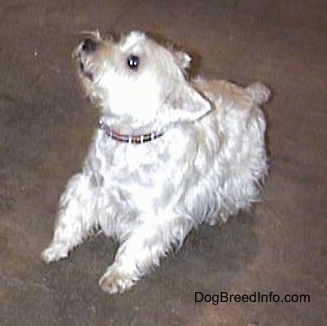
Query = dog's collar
x=131 y=139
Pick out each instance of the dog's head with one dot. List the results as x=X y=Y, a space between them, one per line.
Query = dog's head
x=138 y=81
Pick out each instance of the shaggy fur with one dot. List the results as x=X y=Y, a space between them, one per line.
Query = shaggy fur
x=206 y=164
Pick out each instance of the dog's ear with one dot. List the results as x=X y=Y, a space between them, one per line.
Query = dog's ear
x=186 y=104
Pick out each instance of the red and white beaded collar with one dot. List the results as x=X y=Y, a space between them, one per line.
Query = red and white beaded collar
x=130 y=139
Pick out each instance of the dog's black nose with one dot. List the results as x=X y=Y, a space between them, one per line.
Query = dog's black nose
x=89 y=45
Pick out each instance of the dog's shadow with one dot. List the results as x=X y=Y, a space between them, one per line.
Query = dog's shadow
x=212 y=257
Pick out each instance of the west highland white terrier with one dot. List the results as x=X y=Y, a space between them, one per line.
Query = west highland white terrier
x=169 y=153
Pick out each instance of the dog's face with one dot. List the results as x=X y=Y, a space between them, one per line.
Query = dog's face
x=138 y=81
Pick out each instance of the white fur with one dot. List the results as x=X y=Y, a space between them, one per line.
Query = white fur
x=208 y=164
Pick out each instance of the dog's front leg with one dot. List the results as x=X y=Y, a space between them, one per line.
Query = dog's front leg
x=143 y=250
x=76 y=218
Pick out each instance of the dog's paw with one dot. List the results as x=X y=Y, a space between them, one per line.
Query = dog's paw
x=115 y=281
x=54 y=253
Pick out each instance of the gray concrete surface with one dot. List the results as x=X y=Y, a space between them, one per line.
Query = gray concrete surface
x=46 y=125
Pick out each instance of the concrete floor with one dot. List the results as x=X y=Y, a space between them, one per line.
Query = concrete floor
x=45 y=129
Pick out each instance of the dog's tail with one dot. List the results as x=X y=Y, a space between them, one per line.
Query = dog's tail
x=259 y=93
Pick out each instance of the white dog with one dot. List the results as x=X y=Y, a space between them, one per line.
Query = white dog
x=168 y=155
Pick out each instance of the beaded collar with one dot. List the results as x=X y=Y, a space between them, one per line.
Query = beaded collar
x=130 y=139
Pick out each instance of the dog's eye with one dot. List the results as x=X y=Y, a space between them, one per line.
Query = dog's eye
x=133 y=62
